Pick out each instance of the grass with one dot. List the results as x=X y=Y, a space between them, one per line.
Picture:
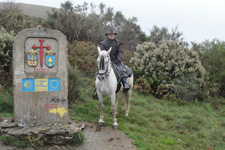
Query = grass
x=24 y=142
x=154 y=124
x=6 y=103
x=77 y=139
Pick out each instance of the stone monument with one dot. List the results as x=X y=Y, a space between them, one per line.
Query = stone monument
x=40 y=70
x=40 y=89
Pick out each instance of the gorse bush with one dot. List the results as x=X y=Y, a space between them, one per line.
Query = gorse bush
x=15 y=20
x=169 y=65
x=84 y=55
x=142 y=86
x=127 y=56
x=6 y=46
x=74 y=84
x=212 y=55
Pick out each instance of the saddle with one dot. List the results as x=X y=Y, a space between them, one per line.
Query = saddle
x=118 y=76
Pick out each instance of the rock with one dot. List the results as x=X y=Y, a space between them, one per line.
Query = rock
x=9 y=119
x=55 y=147
x=5 y=121
x=19 y=125
x=68 y=138
x=66 y=126
x=82 y=127
x=9 y=125
x=70 y=121
x=60 y=134
x=16 y=132
x=43 y=130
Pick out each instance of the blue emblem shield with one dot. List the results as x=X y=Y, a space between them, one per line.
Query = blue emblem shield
x=50 y=59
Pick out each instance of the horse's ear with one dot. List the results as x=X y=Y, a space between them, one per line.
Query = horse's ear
x=99 y=50
x=109 y=50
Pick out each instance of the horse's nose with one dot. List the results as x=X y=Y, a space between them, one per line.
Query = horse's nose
x=100 y=77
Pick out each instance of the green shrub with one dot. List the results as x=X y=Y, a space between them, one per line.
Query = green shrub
x=6 y=101
x=6 y=46
x=15 y=20
x=212 y=55
x=142 y=86
x=77 y=138
x=186 y=87
x=162 y=91
x=169 y=64
x=84 y=55
x=128 y=54
x=74 y=84
x=217 y=103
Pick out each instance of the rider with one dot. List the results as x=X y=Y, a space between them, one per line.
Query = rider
x=116 y=56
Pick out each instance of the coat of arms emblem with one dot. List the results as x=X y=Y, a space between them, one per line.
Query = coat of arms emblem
x=32 y=58
x=50 y=58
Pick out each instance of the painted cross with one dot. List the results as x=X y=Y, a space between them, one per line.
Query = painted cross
x=41 y=50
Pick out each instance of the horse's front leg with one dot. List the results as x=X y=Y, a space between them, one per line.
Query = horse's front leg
x=118 y=102
x=113 y=108
x=101 y=121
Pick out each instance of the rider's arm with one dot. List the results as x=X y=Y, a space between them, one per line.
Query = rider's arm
x=101 y=45
x=120 y=53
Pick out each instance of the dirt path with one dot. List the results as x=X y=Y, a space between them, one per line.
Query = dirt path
x=105 y=138
x=96 y=138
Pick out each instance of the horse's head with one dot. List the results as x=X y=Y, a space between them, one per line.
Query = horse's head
x=103 y=61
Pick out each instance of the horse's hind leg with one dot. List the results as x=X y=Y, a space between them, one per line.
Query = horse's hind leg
x=101 y=121
x=127 y=101
x=113 y=108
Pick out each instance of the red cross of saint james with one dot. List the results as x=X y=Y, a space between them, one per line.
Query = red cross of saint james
x=41 y=50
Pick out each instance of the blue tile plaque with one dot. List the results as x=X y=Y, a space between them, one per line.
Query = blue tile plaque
x=28 y=85
x=53 y=84
x=34 y=85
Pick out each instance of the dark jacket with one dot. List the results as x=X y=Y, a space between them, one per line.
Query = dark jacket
x=116 y=54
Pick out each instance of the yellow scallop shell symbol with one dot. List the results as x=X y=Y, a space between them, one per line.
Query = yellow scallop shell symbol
x=28 y=85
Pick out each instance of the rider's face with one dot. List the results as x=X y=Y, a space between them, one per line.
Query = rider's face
x=111 y=36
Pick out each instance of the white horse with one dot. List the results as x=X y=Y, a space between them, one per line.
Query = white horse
x=106 y=84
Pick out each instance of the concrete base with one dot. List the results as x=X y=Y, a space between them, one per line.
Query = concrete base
x=57 y=134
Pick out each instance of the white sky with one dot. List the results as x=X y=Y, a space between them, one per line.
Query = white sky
x=197 y=19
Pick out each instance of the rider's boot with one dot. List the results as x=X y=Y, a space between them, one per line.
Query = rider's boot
x=126 y=86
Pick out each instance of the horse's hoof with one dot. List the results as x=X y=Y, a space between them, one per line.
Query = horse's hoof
x=100 y=124
x=115 y=127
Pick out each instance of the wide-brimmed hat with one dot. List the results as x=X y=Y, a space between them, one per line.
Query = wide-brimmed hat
x=111 y=31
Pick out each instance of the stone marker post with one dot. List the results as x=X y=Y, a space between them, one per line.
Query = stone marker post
x=40 y=70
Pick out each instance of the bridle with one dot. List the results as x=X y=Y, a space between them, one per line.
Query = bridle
x=107 y=71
